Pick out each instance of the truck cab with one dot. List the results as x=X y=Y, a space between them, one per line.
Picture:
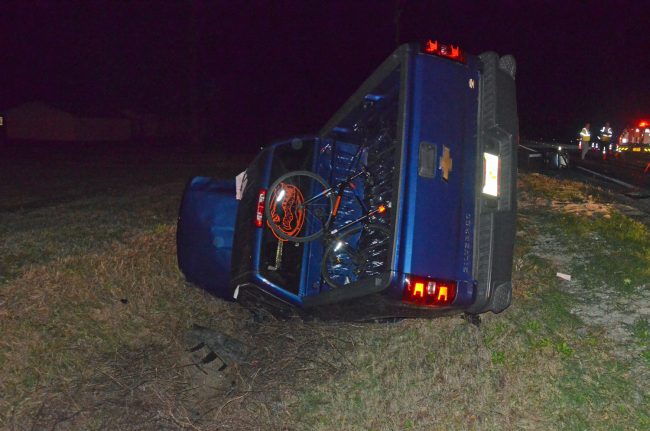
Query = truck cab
x=438 y=128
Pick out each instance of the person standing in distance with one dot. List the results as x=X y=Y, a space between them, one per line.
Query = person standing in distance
x=585 y=138
x=605 y=138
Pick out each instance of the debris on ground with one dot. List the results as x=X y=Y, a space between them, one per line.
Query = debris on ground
x=563 y=276
x=219 y=345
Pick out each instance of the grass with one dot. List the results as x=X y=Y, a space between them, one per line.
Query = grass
x=619 y=249
x=94 y=314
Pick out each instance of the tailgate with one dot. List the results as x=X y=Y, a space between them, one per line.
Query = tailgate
x=439 y=171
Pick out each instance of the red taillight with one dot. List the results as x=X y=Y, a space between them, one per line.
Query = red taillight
x=448 y=51
x=259 y=216
x=431 y=46
x=429 y=291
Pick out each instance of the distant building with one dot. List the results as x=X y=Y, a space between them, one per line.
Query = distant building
x=143 y=126
x=3 y=129
x=41 y=122
x=37 y=121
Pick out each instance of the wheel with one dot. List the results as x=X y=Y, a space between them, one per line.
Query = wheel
x=358 y=253
x=297 y=207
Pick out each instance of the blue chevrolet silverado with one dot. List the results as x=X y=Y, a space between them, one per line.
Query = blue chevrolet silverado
x=402 y=205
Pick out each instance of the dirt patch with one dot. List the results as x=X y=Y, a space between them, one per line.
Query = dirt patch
x=590 y=208
x=615 y=313
x=604 y=305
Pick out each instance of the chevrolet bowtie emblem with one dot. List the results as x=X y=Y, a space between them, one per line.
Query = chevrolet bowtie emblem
x=446 y=163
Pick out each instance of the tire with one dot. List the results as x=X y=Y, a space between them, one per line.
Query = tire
x=299 y=223
x=357 y=254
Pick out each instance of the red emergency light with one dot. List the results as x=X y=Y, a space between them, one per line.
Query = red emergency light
x=259 y=214
x=644 y=123
x=451 y=52
x=431 y=292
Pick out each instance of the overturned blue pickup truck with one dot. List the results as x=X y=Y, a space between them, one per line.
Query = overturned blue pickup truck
x=403 y=205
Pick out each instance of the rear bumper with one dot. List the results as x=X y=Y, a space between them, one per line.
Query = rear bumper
x=373 y=306
x=378 y=298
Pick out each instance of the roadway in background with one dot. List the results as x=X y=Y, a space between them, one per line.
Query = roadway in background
x=626 y=177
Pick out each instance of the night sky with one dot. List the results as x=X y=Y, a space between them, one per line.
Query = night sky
x=270 y=69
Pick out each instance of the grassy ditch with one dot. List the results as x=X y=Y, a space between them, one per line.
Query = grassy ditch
x=94 y=316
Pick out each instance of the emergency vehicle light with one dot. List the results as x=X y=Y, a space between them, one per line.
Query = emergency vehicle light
x=643 y=124
x=448 y=51
x=428 y=291
x=260 y=208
